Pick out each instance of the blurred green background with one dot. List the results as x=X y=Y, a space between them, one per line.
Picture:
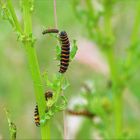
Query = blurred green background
x=16 y=88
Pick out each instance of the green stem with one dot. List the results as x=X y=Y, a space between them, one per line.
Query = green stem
x=12 y=126
x=134 y=37
x=13 y=14
x=135 y=31
x=34 y=67
x=90 y=7
x=118 y=114
x=117 y=96
x=116 y=89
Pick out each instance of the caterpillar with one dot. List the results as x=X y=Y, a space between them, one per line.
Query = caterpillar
x=50 y=31
x=65 y=51
x=81 y=113
x=36 y=116
x=48 y=95
x=65 y=48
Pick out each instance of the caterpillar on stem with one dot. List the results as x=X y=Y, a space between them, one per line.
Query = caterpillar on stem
x=48 y=95
x=65 y=48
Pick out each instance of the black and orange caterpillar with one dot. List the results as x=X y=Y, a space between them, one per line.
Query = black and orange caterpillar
x=36 y=116
x=48 y=95
x=65 y=49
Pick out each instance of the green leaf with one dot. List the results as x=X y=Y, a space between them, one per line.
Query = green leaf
x=47 y=81
x=47 y=117
x=58 y=52
x=64 y=99
x=50 y=113
x=57 y=81
x=66 y=84
x=74 y=50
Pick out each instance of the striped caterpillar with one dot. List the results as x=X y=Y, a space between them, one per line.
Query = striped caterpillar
x=65 y=49
x=48 y=95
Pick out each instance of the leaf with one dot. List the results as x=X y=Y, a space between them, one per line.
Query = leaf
x=48 y=82
x=47 y=117
x=58 y=52
x=64 y=99
x=66 y=84
x=12 y=126
x=50 y=113
x=57 y=81
x=74 y=50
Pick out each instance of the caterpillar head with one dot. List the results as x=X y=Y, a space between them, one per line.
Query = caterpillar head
x=63 y=33
x=48 y=95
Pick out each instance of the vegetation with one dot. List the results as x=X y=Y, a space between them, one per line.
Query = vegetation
x=111 y=100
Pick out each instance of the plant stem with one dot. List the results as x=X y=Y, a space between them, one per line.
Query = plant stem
x=116 y=89
x=135 y=31
x=13 y=14
x=118 y=113
x=12 y=126
x=134 y=37
x=117 y=96
x=34 y=67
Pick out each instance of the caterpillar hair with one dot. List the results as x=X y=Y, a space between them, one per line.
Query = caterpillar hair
x=50 y=31
x=48 y=95
x=65 y=51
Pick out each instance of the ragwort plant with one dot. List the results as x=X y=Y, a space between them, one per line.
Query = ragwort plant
x=58 y=83
x=12 y=126
x=96 y=16
x=96 y=111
